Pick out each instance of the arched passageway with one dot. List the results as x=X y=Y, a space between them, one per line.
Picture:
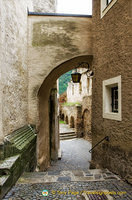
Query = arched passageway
x=87 y=123
x=67 y=121
x=72 y=122
x=62 y=116
x=43 y=142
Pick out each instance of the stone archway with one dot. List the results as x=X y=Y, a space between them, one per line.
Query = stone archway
x=86 y=118
x=43 y=147
x=72 y=122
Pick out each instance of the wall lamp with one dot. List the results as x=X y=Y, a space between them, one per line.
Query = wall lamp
x=76 y=76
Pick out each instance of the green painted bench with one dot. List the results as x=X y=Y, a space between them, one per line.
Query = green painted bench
x=19 y=140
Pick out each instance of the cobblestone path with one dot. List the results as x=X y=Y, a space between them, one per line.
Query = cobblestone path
x=69 y=190
x=75 y=155
x=71 y=178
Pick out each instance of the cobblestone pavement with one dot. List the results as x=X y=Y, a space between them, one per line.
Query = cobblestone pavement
x=70 y=190
x=70 y=178
x=64 y=128
x=75 y=155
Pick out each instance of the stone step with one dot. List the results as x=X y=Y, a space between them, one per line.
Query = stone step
x=67 y=176
x=68 y=138
x=9 y=173
x=68 y=134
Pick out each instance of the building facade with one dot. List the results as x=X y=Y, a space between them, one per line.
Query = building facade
x=77 y=112
x=76 y=91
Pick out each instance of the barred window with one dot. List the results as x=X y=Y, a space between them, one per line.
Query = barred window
x=112 y=106
x=114 y=95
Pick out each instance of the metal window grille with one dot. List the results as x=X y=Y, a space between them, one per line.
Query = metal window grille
x=107 y=2
x=114 y=95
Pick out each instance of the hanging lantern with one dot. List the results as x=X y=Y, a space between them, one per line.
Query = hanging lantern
x=76 y=77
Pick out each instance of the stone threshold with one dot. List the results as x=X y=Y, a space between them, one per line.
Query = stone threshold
x=67 y=176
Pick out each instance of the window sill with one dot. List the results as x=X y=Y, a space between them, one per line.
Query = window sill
x=107 y=7
x=112 y=115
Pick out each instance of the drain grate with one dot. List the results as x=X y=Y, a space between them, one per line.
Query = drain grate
x=97 y=195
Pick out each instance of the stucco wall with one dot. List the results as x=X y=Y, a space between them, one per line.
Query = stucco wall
x=52 y=41
x=13 y=65
x=112 y=57
x=45 y=6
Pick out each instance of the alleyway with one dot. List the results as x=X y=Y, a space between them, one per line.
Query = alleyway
x=70 y=178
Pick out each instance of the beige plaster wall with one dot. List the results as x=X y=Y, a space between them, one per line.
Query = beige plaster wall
x=52 y=41
x=13 y=65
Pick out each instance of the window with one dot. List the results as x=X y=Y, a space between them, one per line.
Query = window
x=106 y=6
x=112 y=98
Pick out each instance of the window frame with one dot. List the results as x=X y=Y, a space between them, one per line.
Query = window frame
x=107 y=100
x=106 y=6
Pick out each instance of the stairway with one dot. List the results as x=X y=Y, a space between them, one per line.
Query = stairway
x=74 y=184
x=67 y=133
x=70 y=179
x=68 y=136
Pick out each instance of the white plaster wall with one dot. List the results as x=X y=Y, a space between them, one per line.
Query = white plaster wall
x=1 y=130
x=13 y=65
x=46 y=6
x=86 y=89
x=30 y=5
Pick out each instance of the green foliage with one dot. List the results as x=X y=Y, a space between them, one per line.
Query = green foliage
x=71 y=104
x=61 y=122
x=63 y=81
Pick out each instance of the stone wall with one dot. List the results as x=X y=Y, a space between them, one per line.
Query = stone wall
x=13 y=65
x=86 y=117
x=73 y=116
x=112 y=57
x=45 y=6
x=81 y=113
